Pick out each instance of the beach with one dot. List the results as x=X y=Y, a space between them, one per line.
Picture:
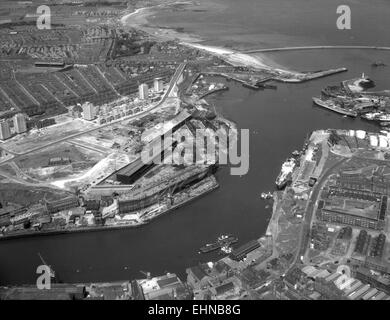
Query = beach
x=138 y=19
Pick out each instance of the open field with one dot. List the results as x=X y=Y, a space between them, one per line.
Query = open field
x=36 y=139
x=24 y=195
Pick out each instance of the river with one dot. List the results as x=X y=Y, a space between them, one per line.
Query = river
x=278 y=120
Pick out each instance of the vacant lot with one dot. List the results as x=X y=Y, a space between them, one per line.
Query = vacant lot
x=24 y=195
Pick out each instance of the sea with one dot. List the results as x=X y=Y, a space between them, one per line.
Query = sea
x=278 y=120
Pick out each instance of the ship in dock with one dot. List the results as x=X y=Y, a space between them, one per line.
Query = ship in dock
x=223 y=241
x=285 y=175
x=331 y=105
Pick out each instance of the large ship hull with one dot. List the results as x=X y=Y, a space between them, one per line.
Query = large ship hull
x=285 y=175
x=334 y=108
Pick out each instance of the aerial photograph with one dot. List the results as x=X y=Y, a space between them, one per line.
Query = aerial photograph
x=194 y=150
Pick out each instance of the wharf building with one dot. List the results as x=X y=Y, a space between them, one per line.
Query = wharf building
x=62 y=204
x=166 y=287
x=241 y=252
x=5 y=131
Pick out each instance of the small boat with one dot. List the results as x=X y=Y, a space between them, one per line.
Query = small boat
x=378 y=64
x=226 y=249
x=266 y=195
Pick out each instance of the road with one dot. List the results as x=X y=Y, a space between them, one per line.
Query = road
x=175 y=77
x=303 y=239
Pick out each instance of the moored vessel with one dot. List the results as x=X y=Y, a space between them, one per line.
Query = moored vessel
x=285 y=174
x=222 y=241
x=331 y=105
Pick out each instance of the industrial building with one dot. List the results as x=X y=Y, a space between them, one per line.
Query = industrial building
x=378 y=281
x=241 y=252
x=62 y=204
x=338 y=286
x=366 y=209
x=167 y=287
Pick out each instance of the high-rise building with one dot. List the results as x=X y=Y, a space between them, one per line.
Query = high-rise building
x=158 y=85
x=5 y=131
x=143 y=90
x=88 y=111
x=20 y=123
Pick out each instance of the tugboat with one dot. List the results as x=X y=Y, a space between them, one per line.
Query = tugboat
x=285 y=174
x=226 y=250
x=378 y=64
x=266 y=195
x=296 y=153
x=224 y=240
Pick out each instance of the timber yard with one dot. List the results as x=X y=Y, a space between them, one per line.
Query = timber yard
x=81 y=106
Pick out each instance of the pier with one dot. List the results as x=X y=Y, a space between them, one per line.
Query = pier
x=314 y=48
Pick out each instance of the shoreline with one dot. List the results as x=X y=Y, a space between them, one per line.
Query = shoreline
x=140 y=22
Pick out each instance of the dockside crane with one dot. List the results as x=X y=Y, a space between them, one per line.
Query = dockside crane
x=52 y=273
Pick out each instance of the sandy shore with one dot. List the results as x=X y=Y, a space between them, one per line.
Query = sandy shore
x=139 y=20
x=232 y=56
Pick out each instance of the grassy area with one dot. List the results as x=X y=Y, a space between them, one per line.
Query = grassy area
x=63 y=150
x=24 y=195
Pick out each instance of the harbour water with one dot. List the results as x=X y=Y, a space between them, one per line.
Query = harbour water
x=278 y=120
